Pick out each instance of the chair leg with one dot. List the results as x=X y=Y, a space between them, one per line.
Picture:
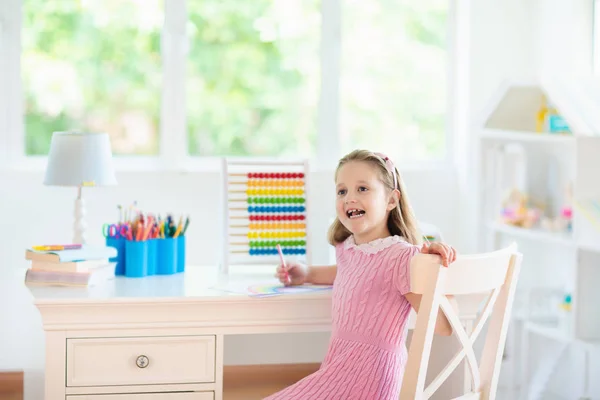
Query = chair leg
x=467 y=372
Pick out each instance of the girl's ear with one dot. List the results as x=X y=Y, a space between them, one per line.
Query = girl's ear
x=393 y=200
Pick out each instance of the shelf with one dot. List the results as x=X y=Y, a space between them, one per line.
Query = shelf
x=589 y=248
x=552 y=331
x=524 y=136
x=533 y=234
x=549 y=331
x=516 y=104
x=558 y=334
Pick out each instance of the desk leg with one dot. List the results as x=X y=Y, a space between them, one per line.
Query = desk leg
x=219 y=367
x=55 y=371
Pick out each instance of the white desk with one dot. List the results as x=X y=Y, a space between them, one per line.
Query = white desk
x=158 y=334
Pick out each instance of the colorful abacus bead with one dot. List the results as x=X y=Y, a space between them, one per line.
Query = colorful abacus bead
x=287 y=251
x=275 y=175
x=274 y=183
x=276 y=200
x=273 y=243
x=274 y=192
x=274 y=235
x=276 y=225
x=276 y=217
x=276 y=209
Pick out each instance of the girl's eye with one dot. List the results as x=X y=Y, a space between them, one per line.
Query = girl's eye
x=341 y=192
x=362 y=189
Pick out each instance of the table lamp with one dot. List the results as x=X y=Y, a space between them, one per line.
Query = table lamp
x=80 y=159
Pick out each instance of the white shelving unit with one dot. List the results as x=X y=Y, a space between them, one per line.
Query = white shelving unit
x=554 y=170
x=502 y=135
x=537 y=234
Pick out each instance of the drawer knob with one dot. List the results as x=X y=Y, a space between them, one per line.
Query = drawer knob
x=142 y=361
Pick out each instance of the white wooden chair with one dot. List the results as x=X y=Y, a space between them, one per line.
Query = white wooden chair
x=495 y=273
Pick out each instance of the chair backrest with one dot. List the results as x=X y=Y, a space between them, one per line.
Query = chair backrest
x=266 y=204
x=495 y=272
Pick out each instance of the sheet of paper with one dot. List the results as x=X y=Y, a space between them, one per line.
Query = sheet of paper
x=274 y=290
x=267 y=290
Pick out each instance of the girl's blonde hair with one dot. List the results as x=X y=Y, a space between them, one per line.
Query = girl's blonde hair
x=401 y=220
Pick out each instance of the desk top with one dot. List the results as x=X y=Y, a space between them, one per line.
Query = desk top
x=188 y=299
x=197 y=283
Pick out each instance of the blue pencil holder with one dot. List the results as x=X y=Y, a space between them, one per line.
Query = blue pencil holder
x=152 y=251
x=180 y=254
x=118 y=244
x=166 y=256
x=136 y=259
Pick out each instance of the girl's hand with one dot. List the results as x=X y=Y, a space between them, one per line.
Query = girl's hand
x=294 y=273
x=447 y=252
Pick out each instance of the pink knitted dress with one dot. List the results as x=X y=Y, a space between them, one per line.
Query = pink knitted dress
x=367 y=352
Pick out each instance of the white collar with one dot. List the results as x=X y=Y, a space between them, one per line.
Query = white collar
x=374 y=246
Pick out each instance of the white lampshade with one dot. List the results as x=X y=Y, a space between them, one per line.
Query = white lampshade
x=80 y=159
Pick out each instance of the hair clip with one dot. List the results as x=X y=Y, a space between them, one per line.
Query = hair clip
x=390 y=167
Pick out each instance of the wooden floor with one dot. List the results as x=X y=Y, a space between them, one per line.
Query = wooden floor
x=255 y=382
x=251 y=382
x=19 y=396
x=251 y=392
x=11 y=385
x=254 y=392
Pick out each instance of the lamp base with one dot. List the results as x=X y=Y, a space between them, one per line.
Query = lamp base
x=79 y=226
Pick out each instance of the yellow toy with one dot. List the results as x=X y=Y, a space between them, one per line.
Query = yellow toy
x=515 y=211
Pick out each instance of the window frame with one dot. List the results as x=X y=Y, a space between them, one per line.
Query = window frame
x=596 y=37
x=12 y=141
x=173 y=151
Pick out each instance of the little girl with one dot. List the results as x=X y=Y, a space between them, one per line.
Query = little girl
x=375 y=235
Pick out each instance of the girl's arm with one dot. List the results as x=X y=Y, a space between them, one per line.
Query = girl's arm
x=442 y=325
x=448 y=255
x=321 y=274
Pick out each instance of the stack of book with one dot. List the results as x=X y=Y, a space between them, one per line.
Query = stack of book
x=69 y=265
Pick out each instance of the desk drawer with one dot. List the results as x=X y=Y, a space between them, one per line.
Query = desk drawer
x=147 y=396
x=140 y=360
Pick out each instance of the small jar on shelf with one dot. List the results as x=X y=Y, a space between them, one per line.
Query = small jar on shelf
x=566 y=314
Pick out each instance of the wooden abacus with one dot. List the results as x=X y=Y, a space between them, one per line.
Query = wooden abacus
x=266 y=204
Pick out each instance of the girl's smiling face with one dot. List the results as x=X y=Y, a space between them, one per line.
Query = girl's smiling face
x=363 y=201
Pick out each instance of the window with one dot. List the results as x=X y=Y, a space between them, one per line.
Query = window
x=252 y=77
x=211 y=78
x=394 y=77
x=92 y=66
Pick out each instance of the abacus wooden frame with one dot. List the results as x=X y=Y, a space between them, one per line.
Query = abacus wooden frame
x=257 y=165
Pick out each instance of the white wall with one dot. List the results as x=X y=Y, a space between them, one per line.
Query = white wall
x=563 y=33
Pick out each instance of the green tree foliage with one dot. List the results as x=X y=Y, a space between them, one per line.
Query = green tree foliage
x=92 y=66
x=252 y=74
x=394 y=77
x=252 y=77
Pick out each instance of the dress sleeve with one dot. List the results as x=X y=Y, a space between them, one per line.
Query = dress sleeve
x=402 y=267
